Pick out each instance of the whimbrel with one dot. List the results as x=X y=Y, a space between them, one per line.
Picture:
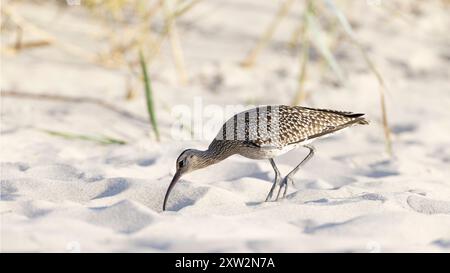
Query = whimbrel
x=264 y=133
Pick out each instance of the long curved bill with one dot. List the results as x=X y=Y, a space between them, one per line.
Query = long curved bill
x=175 y=179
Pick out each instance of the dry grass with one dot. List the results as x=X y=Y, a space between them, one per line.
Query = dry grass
x=312 y=32
x=142 y=25
x=267 y=36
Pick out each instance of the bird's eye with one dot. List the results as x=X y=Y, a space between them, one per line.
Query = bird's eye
x=181 y=164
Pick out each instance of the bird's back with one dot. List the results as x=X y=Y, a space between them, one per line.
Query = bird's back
x=281 y=125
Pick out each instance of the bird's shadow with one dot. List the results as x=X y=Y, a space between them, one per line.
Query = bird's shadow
x=265 y=176
x=272 y=201
x=254 y=203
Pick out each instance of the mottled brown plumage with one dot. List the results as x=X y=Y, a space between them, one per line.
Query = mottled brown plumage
x=284 y=125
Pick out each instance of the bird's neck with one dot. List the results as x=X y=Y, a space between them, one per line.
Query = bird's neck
x=216 y=152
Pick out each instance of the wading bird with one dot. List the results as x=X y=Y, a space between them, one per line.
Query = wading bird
x=264 y=133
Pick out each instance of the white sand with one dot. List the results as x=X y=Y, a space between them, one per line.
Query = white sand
x=65 y=195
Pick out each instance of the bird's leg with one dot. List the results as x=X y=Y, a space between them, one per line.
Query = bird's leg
x=276 y=181
x=284 y=182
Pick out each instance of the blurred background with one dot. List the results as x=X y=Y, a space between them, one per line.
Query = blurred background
x=92 y=85
x=286 y=52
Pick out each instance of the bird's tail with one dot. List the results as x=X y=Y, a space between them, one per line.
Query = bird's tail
x=357 y=118
x=362 y=121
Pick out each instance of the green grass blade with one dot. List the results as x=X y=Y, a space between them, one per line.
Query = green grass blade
x=342 y=18
x=110 y=140
x=149 y=96
x=319 y=41
x=105 y=140
x=383 y=89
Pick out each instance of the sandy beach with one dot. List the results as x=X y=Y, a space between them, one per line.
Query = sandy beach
x=71 y=195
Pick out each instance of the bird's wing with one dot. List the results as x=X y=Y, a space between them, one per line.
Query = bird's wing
x=302 y=123
x=277 y=126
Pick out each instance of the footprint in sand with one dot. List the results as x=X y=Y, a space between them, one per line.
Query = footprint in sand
x=8 y=191
x=347 y=200
x=443 y=243
x=382 y=169
x=35 y=209
x=428 y=206
x=404 y=128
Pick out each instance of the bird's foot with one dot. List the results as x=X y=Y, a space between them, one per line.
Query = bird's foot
x=284 y=184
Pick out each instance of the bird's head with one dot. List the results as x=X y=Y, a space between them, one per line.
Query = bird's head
x=188 y=161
